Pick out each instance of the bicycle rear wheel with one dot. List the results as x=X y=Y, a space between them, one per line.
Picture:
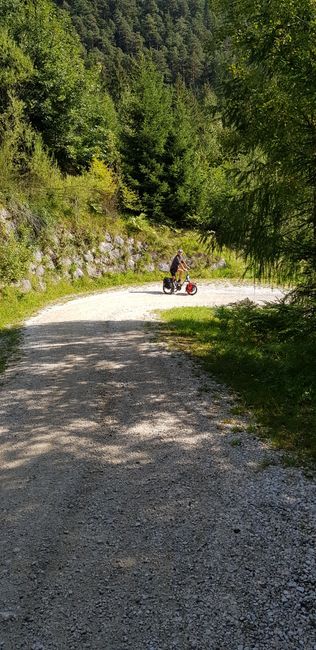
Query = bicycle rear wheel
x=168 y=288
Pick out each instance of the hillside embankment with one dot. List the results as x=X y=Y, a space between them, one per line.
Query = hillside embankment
x=33 y=256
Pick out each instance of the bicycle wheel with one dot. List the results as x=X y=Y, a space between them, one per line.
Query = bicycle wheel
x=191 y=289
x=168 y=288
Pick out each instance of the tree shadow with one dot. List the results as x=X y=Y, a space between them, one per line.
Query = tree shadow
x=152 y=293
x=125 y=510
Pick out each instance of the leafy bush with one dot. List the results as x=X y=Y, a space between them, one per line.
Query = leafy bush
x=14 y=258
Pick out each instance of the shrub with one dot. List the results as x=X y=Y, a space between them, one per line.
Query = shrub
x=14 y=258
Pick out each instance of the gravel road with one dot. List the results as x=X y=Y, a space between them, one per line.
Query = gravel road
x=133 y=515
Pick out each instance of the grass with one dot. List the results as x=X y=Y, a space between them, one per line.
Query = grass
x=267 y=355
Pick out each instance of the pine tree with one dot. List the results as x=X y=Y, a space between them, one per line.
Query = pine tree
x=61 y=99
x=266 y=54
x=146 y=122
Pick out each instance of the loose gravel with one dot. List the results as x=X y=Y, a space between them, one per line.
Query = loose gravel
x=133 y=515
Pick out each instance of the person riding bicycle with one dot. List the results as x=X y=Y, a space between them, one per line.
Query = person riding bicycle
x=178 y=266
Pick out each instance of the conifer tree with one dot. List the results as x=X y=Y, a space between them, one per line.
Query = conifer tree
x=266 y=54
x=182 y=171
x=146 y=122
x=62 y=99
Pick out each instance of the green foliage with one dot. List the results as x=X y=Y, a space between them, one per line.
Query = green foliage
x=174 y=34
x=146 y=123
x=61 y=98
x=15 y=68
x=14 y=258
x=167 y=152
x=182 y=161
x=267 y=355
x=266 y=64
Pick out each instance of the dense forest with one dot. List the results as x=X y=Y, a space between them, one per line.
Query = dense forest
x=158 y=140
x=191 y=113
x=175 y=33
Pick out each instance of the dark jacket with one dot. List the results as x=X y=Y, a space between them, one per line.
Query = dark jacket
x=175 y=264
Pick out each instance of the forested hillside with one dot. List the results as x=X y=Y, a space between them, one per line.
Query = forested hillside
x=184 y=113
x=174 y=32
x=157 y=141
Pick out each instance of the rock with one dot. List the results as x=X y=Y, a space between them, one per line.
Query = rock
x=130 y=264
x=65 y=262
x=93 y=271
x=77 y=274
x=109 y=269
x=119 y=240
x=25 y=285
x=40 y=271
x=114 y=254
x=150 y=267
x=77 y=260
x=38 y=256
x=4 y=214
x=221 y=264
x=6 y=220
x=164 y=267
x=104 y=247
x=88 y=257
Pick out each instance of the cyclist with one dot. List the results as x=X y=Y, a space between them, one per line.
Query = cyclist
x=178 y=266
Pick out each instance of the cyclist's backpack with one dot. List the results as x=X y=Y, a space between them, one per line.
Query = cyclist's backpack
x=167 y=282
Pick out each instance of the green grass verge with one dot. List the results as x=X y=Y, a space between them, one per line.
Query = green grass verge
x=267 y=355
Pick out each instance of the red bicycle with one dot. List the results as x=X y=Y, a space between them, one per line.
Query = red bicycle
x=172 y=286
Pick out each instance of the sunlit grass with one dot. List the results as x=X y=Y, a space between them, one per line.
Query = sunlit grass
x=267 y=355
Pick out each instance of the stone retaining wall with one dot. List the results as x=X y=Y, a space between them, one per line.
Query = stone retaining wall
x=62 y=257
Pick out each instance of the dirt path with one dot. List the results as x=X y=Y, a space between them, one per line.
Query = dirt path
x=129 y=518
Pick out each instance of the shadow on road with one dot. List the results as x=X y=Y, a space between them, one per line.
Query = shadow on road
x=117 y=502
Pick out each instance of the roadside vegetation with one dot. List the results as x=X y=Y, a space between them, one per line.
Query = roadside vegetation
x=267 y=356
